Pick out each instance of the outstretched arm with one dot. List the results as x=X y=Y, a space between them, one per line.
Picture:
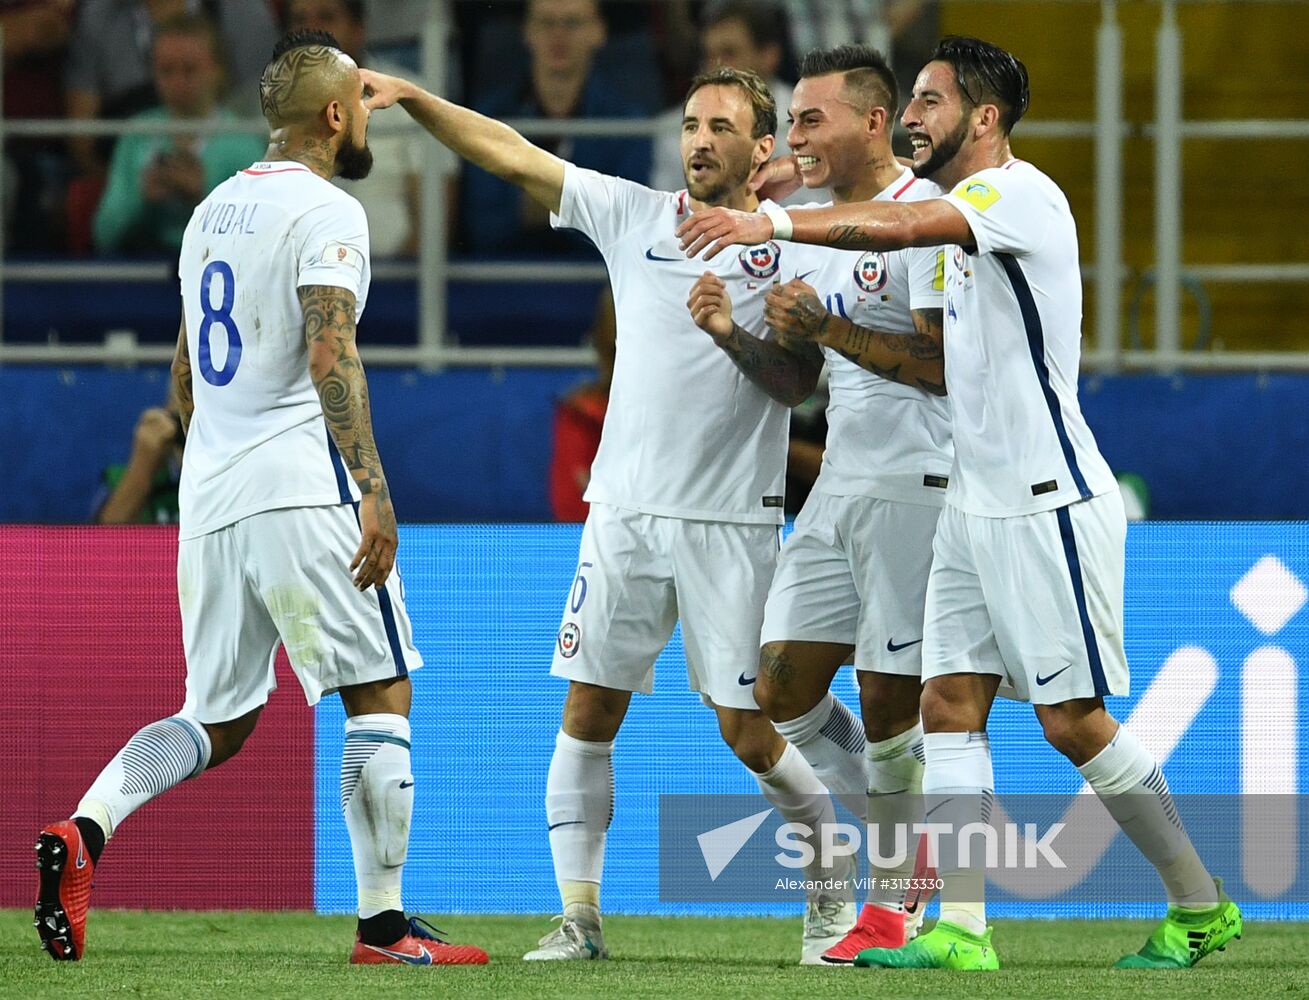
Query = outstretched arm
x=916 y=359
x=785 y=369
x=480 y=140
x=861 y=225
x=338 y=375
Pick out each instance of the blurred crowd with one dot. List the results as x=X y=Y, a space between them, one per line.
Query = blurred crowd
x=155 y=61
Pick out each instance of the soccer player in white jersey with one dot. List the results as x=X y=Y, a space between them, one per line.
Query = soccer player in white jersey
x=288 y=534
x=852 y=578
x=685 y=492
x=1026 y=588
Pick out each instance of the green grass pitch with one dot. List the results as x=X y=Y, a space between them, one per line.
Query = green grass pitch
x=237 y=955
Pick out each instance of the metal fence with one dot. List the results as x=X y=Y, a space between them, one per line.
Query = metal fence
x=1105 y=350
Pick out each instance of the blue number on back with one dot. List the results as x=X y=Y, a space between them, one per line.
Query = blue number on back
x=223 y=317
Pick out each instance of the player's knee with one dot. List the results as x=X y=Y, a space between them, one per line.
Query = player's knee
x=1063 y=733
x=594 y=714
x=751 y=737
x=774 y=691
x=227 y=738
x=939 y=711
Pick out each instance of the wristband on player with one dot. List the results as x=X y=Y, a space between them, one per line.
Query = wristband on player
x=781 y=219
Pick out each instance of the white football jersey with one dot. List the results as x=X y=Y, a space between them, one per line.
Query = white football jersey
x=686 y=433
x=884 y=439
x=1013 y=330
x=258 y=440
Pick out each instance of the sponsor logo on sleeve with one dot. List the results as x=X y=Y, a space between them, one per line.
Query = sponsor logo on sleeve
x=977 y=193
x=938 y=276
x=339 y=253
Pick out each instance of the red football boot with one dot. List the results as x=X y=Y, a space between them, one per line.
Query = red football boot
x=419 y=947
x=877 y=927
x=65 y=890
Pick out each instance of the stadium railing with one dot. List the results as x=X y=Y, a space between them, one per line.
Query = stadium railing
x=433 y=269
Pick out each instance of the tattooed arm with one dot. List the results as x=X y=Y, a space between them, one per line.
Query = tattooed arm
x=916 y=359
x=338 y=375
x=183 y=395
x=861 y=225
x=785 y=369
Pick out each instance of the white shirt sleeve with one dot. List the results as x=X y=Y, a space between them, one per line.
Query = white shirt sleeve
x=331 y=245
x=597 y=205
x=1006 y=211
x=926 y=277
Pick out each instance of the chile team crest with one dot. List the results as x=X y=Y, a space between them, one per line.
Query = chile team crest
x=870 y=271
x=761 y=261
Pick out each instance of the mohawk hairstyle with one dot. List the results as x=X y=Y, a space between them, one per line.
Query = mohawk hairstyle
x=983 y=71
x=301 y=39
x=297 y=55
x=868 y=79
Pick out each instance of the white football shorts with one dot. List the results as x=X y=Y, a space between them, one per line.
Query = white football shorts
x=854 y=571
x=282 y=577
x=638 y=573
x=1035 y=599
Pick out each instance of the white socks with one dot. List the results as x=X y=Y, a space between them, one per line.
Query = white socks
x=156 y=758
x=797 y=793
x=1135 y=792
x=579 y=806
x=377 y=798
x=958 y=788
x=831 y=738
x=895 y=783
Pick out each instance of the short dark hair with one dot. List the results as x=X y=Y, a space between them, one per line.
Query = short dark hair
x=868 y=79
x=986 y=72
x=304 y=38
x=763 y=21
x=761 y=98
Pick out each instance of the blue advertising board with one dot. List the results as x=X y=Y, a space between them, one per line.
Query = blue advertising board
x=1216 y=629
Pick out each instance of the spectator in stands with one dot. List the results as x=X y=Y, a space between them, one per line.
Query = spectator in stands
x=109 y=60
x=144 y=491
x=562 y=38
x=36 y=172
x=579 y=417
x=155 y=181
x=743 y=34
x=390 y=193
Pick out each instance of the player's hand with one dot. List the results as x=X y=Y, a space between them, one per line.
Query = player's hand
x=711 y=306
x=777 y=179
x=712 y=230
x=375 y=557
x=382 y=91
x=794 y=311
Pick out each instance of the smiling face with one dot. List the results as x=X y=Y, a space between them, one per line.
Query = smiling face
x=718 y=151
x=828 y=134
x=938 y=119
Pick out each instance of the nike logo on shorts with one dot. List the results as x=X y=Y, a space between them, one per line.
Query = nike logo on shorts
x=745 y=681
x=1043 y=681
x=892 y=647
x=406 y=784
x=649 y=255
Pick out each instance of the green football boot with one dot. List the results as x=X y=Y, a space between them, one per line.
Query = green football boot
x=945 y=946
x=1186 y=936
